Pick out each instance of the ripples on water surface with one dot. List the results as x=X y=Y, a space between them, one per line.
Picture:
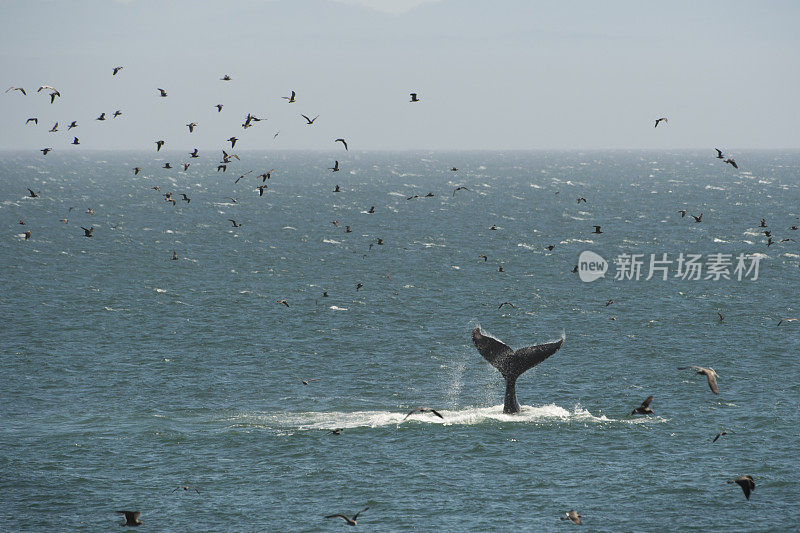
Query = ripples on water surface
x=127 y=374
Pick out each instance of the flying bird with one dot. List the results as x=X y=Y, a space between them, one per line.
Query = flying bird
x=159 y=144
x=424 y=410
x=597 y=229
x=32 y=194
x=53 y=96
x=117 y=113
x=131 y=518
x=73 y=124
x=306 y=381
x=163 y=93
x=193 y=153
x=116 y=69
x=506 y=303
x=235 y=224
x=54 y=128
x=698 y=219
x=20 y=89
x=233 y=140
x=101 y=117
x=721 y=433
x=719 y=153
x=45 y=150
x=290 y=98
x=709 y=373
x=342 y=141
x=186 y=198
x=731 y=162
x=581 y=199
x=348 y=521
x=191 y=126
x=747 y=483
x=660 y=119
x=413 y=97
x=781 y=321
x=284 y=302
x=226 y=78
x=87 y=232
x=219 y=108
x=309 y=120
x=335 y=167
x=644 y=409
x=460 y=188
x=136 y=170
x=185 y=487
x=27 y=234
x=573 y=516
x=32 y=119
x=242 y=176
x=167 y=165
x=682 y=212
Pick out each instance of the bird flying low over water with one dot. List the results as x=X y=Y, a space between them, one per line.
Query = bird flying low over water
x=644 y=409
x=721 y=433
x=32 y=194
x=698 y=219
x=348 y=521
x=660 y=119
x=186 y=488
x=335 y=167
x=235 y=224
x=341 y=141
x=719 y=153
x=573 y=516
x=731 y=162
x=424 y=410
x=306 y=381
x=87 y=232
x=709 y=373
x=460 y=188
x=781 y=321
x=747 y=483
x=131 y=518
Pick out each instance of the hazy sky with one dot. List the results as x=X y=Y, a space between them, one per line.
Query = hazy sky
x=491 y=74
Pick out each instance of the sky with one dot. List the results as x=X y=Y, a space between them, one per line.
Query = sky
x=496 y=75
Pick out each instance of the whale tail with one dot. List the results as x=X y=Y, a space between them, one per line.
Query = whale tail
x=512 y=364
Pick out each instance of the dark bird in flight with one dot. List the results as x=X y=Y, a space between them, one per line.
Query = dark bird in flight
x=226 y=78
x=781 y=321
x=20 y=89
x=163 y=93
x=424 y=410
x=573 y=516
x=131 y=518
x=348 y=521
x=371 y=210
x=136 y=170
x=709 y=373
x=698 y=219
x=167 y=165
x=310 y=121
x=341 y=141
x=159 y=144
x=611 y=301
x=413 y=97
x=191 y=126
x=219 y=107
x=261 y=189
x=347 y=229
x=53 y=96
x=233 y=140
x=747 y=483
x=644 y=409
x=306 y=381
x=45 y=150
x=174 y=258
x=27 y=235
x=575 y=269
x=335 y=167
x=48 y=87
x=227 y=158
x=116 y=69
x=731 y=162
x=581 y=199
x=266 y=175
x=117 y=113
x=500 y=268
x=597 y=229
x=460 y=188
x=721 y=316
x=186 y=198
x=682 y=212
x=87 y=232
x=763 y=222
x=101 y=117
x=186 y=488
x=75 y=141
x=242 y=176
x=32 y=119
x=73 y=124
x=719 y=153
x=721 y=433
x=32 y=194
x=284 y=302
x=223 y=168
x=506 y=303
x=235 y=224
x=54 y=128
x=193 y=153
x=660 y=119
x=290 y=98
x=337 y=189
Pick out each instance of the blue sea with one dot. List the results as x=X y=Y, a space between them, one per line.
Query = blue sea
x=127 y=374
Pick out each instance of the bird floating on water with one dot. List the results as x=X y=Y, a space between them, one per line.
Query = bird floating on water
x=131 y=518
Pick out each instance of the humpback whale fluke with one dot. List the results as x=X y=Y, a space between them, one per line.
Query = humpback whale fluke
x=512 y=364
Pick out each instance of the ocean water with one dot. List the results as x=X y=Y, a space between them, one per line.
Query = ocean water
x=127 y=374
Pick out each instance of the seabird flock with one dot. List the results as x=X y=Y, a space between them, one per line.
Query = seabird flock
x=746 y=482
